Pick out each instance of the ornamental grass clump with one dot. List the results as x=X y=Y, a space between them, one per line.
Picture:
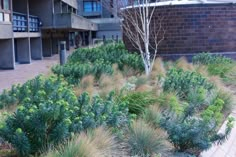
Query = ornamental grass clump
x=216 y=64
x=94 y=143
x=144 y=140
x=138 y=101
x=184 y=64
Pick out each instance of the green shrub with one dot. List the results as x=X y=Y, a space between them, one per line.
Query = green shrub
x=97 y=61
x=192 y=133
x=75 y=72
x=146 y=141
x=228 y=100
x=216 y=64
x=207 y=58
x=180 y=81
x=213 y=112
x=9 y=98
x=171 y=102
x=43 y=103
x=51 y=105
x=138 y=101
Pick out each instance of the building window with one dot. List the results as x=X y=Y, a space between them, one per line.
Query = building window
x=92 y=6
x=6 y=17
x=6 y=5
x=1 y=17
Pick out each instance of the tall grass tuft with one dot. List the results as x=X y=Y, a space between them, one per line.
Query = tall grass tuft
x=144 y=140
x=138 y=101
x=87 y=84
x=184 y=64
x=95 y=143
x=158 y=69
x=152 y=115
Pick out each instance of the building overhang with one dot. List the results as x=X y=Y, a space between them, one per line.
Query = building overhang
x=72 y=21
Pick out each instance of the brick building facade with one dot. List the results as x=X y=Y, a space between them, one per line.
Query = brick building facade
x=195 y=28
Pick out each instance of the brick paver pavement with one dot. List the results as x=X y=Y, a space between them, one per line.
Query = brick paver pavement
x=24 y=72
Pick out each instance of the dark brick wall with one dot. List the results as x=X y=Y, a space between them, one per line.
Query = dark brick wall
x=196 y=28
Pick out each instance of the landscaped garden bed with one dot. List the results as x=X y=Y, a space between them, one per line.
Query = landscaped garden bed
x=100 y=103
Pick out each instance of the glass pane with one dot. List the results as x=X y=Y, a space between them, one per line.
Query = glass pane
x=98 y=6
x=1 y=17
x=88 y=6
x=6 y=17
x=94 y=6
x=6 y=5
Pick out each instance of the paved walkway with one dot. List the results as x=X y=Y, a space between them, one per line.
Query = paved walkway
x=24 y=72
x=227 y=149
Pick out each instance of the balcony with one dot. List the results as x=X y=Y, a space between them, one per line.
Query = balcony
x=93 y=13
x=20 y=23
x=73 y=21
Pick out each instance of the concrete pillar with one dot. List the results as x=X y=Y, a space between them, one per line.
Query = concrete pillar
x=7 y=56
x=23 y=50
x=90 y=38
x=36 y=48
x=83 y=38
x=47 y=47
x=67 y=39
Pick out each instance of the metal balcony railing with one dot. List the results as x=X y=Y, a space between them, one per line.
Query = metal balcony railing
x=20 y=23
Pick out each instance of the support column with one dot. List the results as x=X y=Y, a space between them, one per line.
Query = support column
x=90 y=38
x=23 y=50
x=7 y=56
x=36 y=48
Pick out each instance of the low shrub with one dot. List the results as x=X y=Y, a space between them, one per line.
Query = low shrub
x=181 y=82
x=51 y=105
x=207 y=58
x=98 y=61
x=193 y=133
x=75 y=72
x=216 y=64
x=43 y=103
x=171 y=102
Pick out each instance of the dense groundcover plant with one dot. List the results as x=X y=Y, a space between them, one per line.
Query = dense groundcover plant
x=50 y=112
x=195 y=128
x=98 y=61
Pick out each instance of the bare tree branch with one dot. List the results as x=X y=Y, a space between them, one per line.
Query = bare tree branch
x=141 y=28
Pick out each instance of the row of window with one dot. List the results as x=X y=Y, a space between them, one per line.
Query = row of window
x=92 y=6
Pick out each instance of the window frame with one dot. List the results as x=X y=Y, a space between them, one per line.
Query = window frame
x=9 y=5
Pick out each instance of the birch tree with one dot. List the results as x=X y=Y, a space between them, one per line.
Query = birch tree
x=142 y=26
